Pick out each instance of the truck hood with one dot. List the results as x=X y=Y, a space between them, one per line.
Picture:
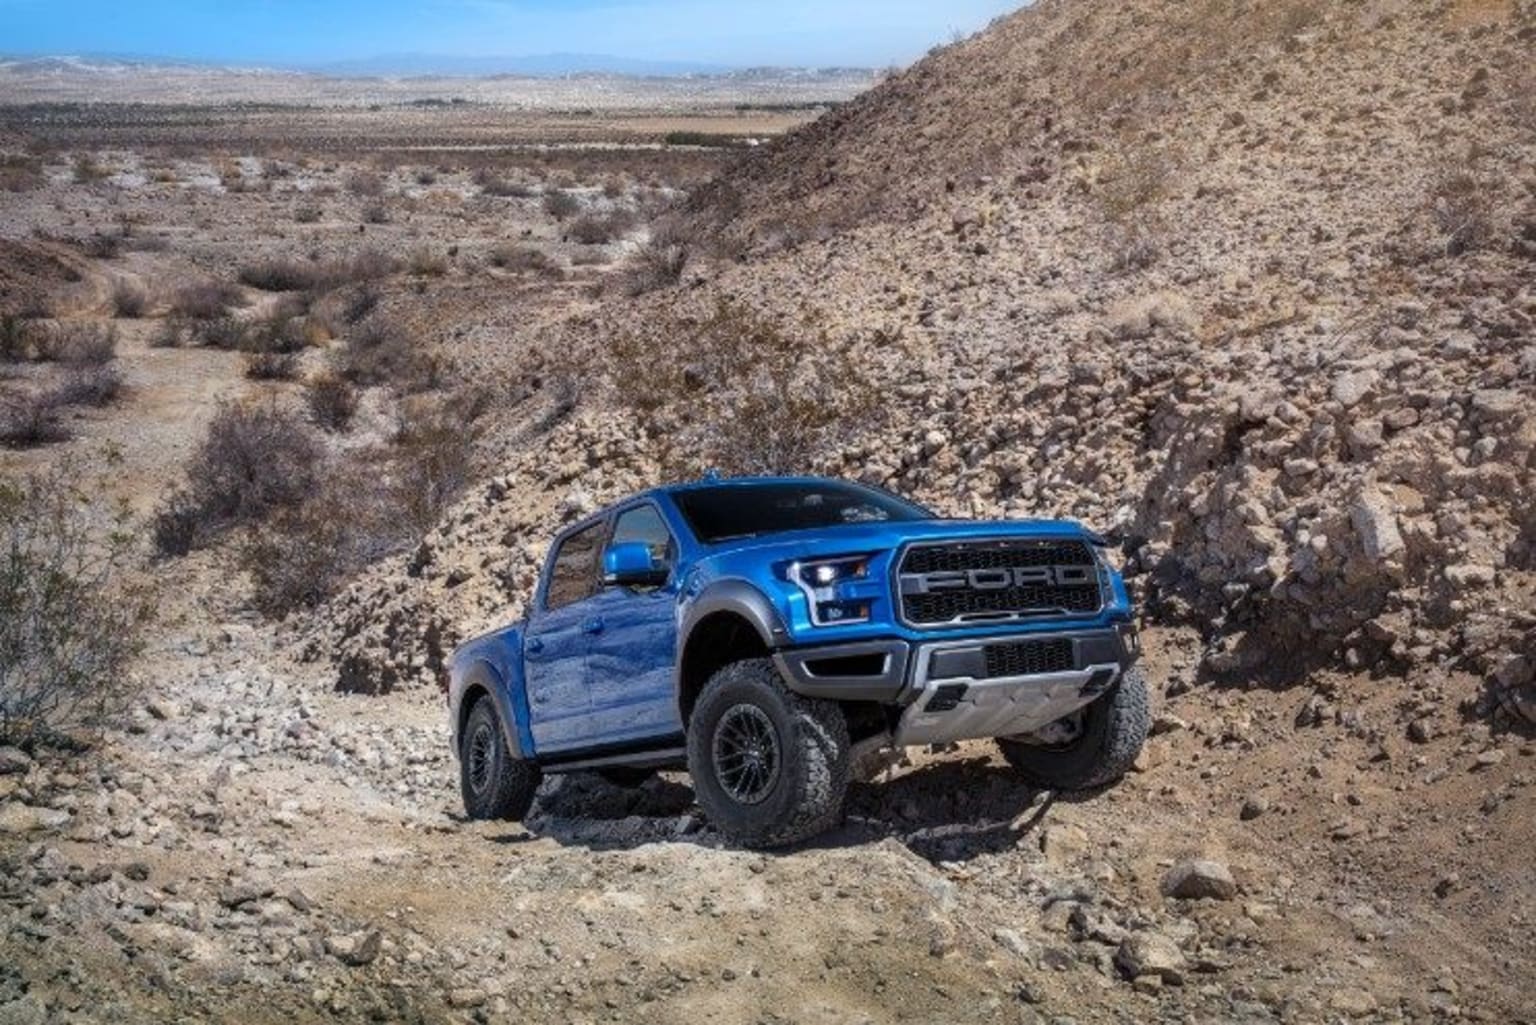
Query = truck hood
x=856 y=539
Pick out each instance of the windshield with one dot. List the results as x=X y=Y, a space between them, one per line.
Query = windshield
x=747 y=510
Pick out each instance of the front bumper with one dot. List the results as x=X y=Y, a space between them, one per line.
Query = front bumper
x=954 y=690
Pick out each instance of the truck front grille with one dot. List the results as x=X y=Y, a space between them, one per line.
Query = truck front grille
x=992 y=581
x=1029 y=658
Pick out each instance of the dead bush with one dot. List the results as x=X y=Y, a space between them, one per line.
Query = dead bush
x=227 y=333
x=103 y=246
x=659 y=263
x=88 y=170
x=427 y=262
x=129 y=299
x=206 y=300
x=524 y=258
x=1462 y=210
x=171 y=334
x=377 y=504
x=271 y=366
x=751 y=395
x=494 y=185
x=307 y=214
x=600 y=229
x=28 y=420
x=254 y=460
x=381 y=350
x=89 y=384
x=369 y=184
x=1135 y=184
x=376 y=213
x=70 y=620
x=281 y=274
x=21 y=173
x=332 y=402
x=18 y=337
x=362 y=301
x=77 y=343
x=434 y=446
x=560 y=204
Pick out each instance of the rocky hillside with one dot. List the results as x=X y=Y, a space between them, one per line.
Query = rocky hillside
x=1246 y=284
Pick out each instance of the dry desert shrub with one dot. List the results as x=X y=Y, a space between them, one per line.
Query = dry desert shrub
x=377 y=213
x=129 y=299
x=307 y=213
x=368 y=184
x=77 y=343
x=281 y=274
x=383 y=351
x=271 y=366
x=560 y=204
x=88 y=384
x=87 y=169
x=600 y=229
x=332 y=402
x=254 y=460
x=21 y=173
x=659 y=263
x=492 y=184
x=750 y=397
x=524 y=258
x=70 y=622
x=206 y=300
x=172 y=333
x=1461 y=207
x=1136 y=183
x=426 y=262
x=28 y=420
x=18 y=337
x=366 y=508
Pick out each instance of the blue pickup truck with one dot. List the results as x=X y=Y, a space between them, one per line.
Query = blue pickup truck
x=767 y=633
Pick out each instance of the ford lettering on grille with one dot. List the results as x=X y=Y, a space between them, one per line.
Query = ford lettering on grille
x=997 y=580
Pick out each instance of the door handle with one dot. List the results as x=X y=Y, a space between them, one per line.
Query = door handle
x=592 y=626
x=535 y=646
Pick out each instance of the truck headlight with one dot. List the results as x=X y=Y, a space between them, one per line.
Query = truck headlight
x=823 y=580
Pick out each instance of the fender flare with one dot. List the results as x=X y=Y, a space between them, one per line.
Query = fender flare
x=483 y=675
x=741 y=598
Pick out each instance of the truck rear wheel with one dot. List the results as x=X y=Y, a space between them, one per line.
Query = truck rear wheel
x=770 y=768
x=1109 y=737
x=494 y=783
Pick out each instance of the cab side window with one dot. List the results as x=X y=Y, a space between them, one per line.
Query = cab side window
x=645 y=525
x=573 y=577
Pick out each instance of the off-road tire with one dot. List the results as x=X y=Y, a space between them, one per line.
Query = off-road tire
x=1113 y=734
x=810 y=783
x=624 y=777
x=501 y=786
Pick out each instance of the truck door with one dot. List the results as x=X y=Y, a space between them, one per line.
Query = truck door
x=631 y=660
x=559 y=635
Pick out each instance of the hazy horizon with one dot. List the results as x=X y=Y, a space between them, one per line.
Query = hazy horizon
x=687 y=34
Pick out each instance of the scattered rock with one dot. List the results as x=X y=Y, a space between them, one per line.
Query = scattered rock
x=14 y=760
x=355 y=949
x=1199 y=879
x=17 y=818
x=1148 y=953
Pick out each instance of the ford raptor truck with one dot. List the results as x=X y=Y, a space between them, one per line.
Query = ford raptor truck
x=768 y=633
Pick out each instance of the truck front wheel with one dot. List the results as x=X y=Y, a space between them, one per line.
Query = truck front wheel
x=1097 y=747
x=770 y=768
x=495 y=785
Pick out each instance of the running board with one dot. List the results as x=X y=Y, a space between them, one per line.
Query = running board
x=633 y=760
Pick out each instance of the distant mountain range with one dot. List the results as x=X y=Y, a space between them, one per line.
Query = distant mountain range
x=416 y=65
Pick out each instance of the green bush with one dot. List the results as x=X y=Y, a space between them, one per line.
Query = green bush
x=70 y=622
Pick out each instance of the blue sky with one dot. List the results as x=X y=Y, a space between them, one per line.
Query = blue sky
x=735 y=32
